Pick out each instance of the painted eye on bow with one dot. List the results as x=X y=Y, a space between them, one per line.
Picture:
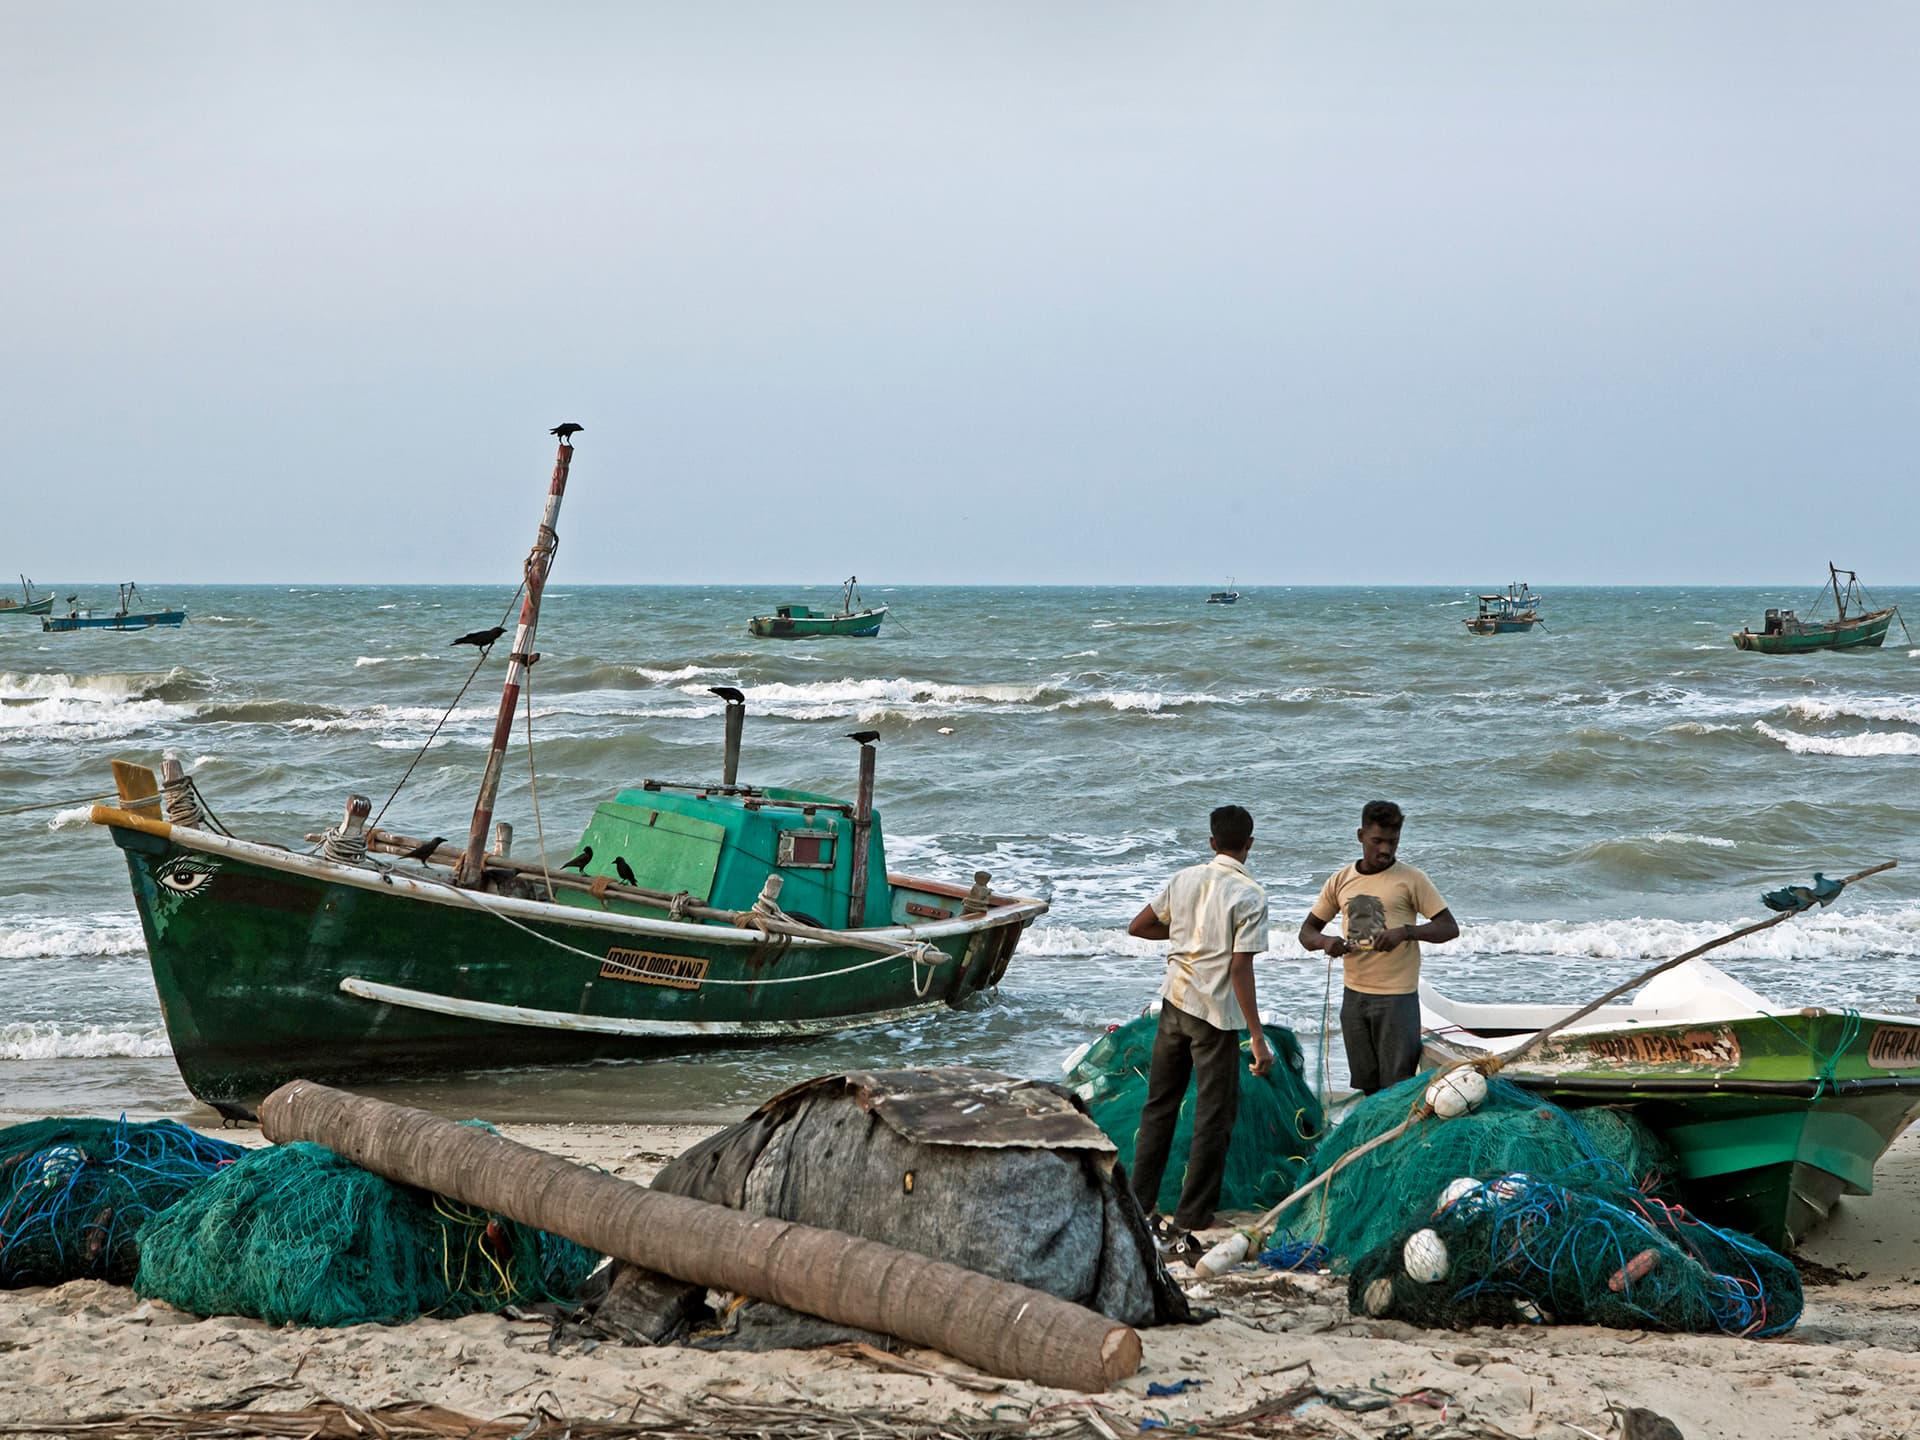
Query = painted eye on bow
x=183 y=877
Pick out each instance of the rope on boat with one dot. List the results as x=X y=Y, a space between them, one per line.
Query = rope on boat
x=486 y=652
x=58 y=804
x=920 y=953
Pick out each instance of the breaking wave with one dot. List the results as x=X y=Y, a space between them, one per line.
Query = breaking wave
x=44 y=937
x=49 y=1041
x=1853 y=707
x=1867 y=742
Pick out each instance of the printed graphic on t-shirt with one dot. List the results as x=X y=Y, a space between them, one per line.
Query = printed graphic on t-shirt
x=1366 y=920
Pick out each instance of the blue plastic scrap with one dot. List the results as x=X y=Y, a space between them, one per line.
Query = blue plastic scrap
x=1178 y=1387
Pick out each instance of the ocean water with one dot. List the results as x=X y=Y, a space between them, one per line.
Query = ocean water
x=1589 y=799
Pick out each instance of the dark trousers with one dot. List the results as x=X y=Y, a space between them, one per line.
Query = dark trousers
x=1382 y=1035
x=1183 y=1045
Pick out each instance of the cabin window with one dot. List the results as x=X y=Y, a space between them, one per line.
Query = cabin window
x=806 y=849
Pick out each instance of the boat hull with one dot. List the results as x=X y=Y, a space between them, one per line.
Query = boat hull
x=42 y=606
x=1772 y=1117
x=148 y=620
x=780 y=627
x=1868 y=632
x=272 y=966
x=1482 y=625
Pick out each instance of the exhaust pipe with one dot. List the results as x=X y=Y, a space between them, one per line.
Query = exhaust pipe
x=862 y=824
x=736 y=721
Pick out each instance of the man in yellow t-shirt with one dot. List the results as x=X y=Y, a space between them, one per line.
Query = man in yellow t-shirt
x=1380 y=902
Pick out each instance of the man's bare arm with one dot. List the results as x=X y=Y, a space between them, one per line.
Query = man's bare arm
x=1240 y=972
x=1148 y=926
x=1313 y=936
x=1437 y=931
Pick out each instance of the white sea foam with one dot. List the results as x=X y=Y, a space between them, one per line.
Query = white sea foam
x=1679 y=837
x=40 y=937
x=49 y=1041
x=365 y=660
x=77 y=818
x=1822 y=934
x=1894 y=709
x=1867 y=742
x=685 y=672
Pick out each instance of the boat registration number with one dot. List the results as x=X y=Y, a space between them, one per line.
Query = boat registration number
x=1894 y=1047
x=1690 y=1047
x=650 y=967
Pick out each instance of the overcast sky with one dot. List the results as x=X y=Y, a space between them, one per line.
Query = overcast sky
x=1034 y=292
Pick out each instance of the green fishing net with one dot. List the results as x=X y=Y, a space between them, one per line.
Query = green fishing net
x=1523 y=1249
x=296 y=1234
x=1389 y=1189
x=74 y=1194
x=1273 y=1133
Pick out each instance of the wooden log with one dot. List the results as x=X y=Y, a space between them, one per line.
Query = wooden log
x=996 y=1326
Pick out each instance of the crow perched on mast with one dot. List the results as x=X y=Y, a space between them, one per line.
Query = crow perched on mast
x=566 y=432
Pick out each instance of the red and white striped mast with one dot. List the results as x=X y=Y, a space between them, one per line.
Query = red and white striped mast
x=473 y=859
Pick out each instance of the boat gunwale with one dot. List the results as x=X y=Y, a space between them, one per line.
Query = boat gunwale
x=1018 y=910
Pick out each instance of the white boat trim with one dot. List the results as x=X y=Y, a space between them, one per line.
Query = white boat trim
x=1019 y=911
x=489 y=1013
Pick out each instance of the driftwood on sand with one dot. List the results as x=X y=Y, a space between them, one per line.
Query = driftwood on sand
x=998 y=1327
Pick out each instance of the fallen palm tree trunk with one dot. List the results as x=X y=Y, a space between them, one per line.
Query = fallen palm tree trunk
x=1005 y=1329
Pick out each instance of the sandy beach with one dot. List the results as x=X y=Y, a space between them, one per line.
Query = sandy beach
x=90 y=1351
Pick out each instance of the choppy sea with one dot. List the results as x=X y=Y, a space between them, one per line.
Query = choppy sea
x=1589 y=798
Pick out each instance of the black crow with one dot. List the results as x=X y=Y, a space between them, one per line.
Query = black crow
x=865 y=737
x=482 y=638
x=566 y=432
x=624 y=870
x=580 y=861
x=728 y=694
x=425 y=848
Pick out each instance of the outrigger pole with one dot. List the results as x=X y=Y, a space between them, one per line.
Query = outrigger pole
x=539 y=560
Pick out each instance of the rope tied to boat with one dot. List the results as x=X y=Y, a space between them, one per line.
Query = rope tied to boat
x=343 y=848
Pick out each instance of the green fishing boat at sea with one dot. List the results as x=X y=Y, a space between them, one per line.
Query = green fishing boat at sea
x=1857 y=623
x=27 y=604
x=693 y=913
x=797 y=622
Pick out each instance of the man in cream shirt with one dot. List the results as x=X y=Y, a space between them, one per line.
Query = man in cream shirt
x=1215 y=916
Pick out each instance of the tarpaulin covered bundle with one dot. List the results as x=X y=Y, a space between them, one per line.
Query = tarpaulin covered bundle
x=1273 y=1132
x=1000 y=1175
x=1395 y=1186
x=298 y=1235
x=74 y=1194
x=1523 y=1249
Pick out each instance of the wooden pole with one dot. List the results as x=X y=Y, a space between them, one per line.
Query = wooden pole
x=862 y=827
x=999 y=1327
x=473 y=862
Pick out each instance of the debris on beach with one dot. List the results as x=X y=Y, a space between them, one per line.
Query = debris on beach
x=1274 y=1130
x=76 y=1193
x=298 y=1235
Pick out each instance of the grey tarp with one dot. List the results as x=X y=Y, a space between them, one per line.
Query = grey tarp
x=1001 y=1175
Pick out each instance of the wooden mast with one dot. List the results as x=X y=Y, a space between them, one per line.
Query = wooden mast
x=473 y=859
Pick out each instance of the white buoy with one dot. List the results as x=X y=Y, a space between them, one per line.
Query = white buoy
x=1378 y=1296
x=1462 y=1196
x=1458 y=1092
x=1424 y=1257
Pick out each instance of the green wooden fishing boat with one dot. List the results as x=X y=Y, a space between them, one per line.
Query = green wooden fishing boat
x=794 y=622
x=1774 y=1113
x=1856 y=623
x=693 y=914
x=27 y=605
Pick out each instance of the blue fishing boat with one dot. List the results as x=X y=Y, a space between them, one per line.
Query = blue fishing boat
x=124 y=618
x=1513 y=613
x=1228 y=596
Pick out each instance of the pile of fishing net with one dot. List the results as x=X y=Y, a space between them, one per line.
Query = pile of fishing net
x=1522 y=1248
x=75 y=1194
x=296 y=1234
x=1273 y=1133
x=1393 y=1188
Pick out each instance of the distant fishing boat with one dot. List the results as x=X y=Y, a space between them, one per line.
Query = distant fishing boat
x=692 y=914
x=29 y=605
x=126 y=617
x=1774 y=1111
x=1856 y=622
x=1513 y=613
x=793 y=622
x=1228 y=596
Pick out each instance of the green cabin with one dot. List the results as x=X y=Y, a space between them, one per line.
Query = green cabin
x=720 y=846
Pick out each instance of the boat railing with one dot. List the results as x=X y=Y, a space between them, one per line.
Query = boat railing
x=751 y=797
